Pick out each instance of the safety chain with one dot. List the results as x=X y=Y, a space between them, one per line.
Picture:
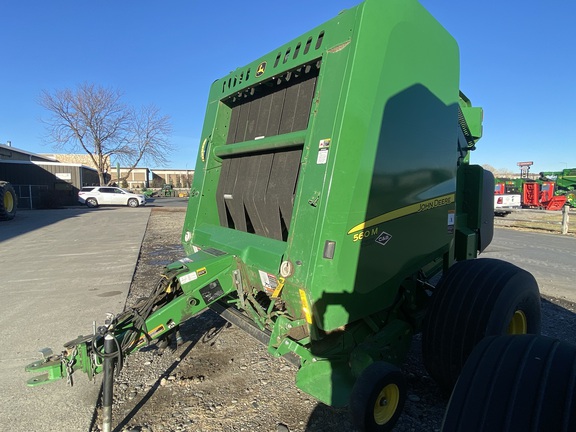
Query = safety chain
x=67 y=365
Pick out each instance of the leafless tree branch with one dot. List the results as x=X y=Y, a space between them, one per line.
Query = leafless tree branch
x=94 y=120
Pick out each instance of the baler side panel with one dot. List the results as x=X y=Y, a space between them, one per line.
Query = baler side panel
x=397 y=144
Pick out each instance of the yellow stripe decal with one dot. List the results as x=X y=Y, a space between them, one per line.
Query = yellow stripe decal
x=305 y=307
x=279 y=287
x=405 y=211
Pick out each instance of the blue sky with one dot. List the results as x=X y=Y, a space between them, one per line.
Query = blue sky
x=517 y=61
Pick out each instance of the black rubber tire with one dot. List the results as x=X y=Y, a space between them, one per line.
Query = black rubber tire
x=133 y=202
x=515 y=384
x=8 y=201
x=380 y=382
x=474 y=299
x=91 y=202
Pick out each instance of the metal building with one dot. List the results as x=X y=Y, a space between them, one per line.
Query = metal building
x=41 y=181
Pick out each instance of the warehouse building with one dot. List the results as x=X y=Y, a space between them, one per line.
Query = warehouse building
x=132 y=178
x=53 y=180
x=42 y=181
x=177 y=178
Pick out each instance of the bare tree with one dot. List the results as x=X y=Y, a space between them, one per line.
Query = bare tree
x=489 y=168
x=93 y=119
x=149 y=132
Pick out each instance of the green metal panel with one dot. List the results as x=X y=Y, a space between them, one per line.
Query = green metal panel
x=370 y=100
x=380 y=141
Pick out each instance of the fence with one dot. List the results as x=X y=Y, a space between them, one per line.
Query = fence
x=41 y=196
x=29 y=196
x=540 y=220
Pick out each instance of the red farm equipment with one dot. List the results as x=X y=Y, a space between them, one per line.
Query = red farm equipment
x=540 y=194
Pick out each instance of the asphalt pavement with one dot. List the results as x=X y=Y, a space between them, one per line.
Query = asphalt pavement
x=551 y=258
x=59 y=271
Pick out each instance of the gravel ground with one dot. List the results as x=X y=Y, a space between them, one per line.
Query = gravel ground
x=221 y=380
x=537 y=220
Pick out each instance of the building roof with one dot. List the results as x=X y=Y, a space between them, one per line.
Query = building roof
x=27 y=153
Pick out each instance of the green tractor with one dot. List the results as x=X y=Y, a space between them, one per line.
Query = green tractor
x=565 y=181
x=167 y=190
x=333 y=188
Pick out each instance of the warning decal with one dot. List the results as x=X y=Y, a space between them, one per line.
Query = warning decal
x=323 y=148
x=188 y=277
x=451 y=219
x=268 y=280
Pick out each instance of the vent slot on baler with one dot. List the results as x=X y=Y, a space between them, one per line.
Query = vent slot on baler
x=274 y=107
x=256 y=190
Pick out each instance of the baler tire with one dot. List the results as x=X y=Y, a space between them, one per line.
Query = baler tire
x=475 y=299
x=91 y=202
x=515 y=383
x=378 y=397
x=8 y=201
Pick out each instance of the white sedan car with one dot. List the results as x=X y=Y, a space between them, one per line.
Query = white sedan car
x=93 y=196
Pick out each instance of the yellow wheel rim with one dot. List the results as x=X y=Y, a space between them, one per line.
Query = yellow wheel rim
x=8 y=202
x=386 y=404
x=518 y=324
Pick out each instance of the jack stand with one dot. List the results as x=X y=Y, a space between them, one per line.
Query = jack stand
x=179 y=340
x=108 y=382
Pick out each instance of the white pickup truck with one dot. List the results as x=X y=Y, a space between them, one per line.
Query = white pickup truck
x=505 y=204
